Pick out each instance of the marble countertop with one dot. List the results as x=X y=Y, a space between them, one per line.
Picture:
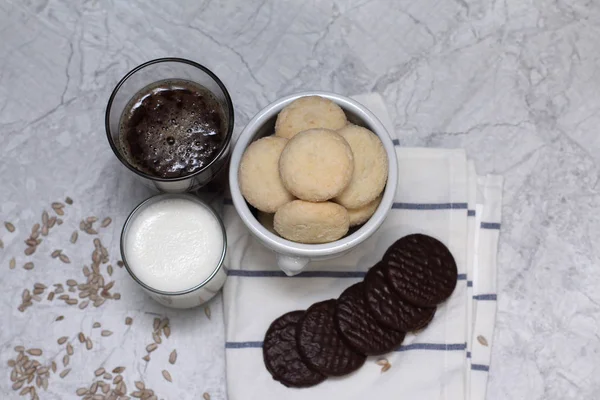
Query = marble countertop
x=513 y=82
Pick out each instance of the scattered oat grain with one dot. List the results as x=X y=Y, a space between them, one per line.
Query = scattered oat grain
x=167 y=375
x=482 y=340
x=9 y=227
x=65 y=372
x=173 y=357
x=106 y=222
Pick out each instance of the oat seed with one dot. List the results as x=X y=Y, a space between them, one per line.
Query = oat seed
x=81 y=337
x=9 y=227
x=99 y=371
x=106 y=222
x=151 y=347
x=146 y=358
x=120 y=264
x=69 y=200
x=88 y=344
x=128 y=321
x=29 y=251
x=207 y=312
x=65 y=360
x=45 y=230
x=106 y=333
x=482 y=340
x=140 y=385
x=71 y=302
x=156 y=338
x=34 y=352
x=69 y=349
x=167 y=375
x=12 y=263
x=118 y=370
x=173 y=357
x=96 y=325
x=55 y=253
x=206 y=396
x=109 y=269
x=64 y=258
x=74 y=237
x=60 y=317
x=81 y=391
x=83 y=304
x=386 y=367
x=28 y=266
x=65 y=372
x=62 y=340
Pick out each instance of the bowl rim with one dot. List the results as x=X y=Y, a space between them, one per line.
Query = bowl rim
x=289 y=247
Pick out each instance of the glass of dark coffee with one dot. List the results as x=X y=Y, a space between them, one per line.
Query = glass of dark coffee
x=170 y=121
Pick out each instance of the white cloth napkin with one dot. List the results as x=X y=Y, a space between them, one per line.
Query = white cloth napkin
x=435 y=189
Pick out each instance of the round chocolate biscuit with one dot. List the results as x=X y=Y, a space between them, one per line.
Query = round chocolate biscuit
x=281 y=356
x=420 y=269
x=321 y=345
x=359 y=328
x=389 y=309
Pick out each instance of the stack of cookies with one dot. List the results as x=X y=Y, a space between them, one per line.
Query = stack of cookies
x=332 y=338
x=317 y=176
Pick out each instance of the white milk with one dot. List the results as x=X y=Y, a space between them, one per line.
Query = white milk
x=173 y=244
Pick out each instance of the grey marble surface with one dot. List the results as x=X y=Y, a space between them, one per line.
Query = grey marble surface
x=514 y=82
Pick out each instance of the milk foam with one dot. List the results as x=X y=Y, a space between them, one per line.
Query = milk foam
x=173 y=245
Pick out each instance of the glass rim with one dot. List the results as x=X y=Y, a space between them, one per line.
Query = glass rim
x=157 y=198
x=201 y=67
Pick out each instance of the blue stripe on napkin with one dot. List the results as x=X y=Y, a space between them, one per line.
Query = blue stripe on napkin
x=479 y=367
x=433 y=346
x=490 y=225
x=489 y=297
x=470 y=213
x=430 y=206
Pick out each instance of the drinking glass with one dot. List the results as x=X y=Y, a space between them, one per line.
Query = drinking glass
x=156 y=71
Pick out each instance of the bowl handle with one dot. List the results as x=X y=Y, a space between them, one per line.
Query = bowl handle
x=291 y=265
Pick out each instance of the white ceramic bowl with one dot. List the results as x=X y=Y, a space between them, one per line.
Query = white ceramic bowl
x=293 y=257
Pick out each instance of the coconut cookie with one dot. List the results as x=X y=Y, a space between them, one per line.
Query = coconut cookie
x=361 y=215
x=306 y=222
x=316 y=165
x=308 y=113
x=370 y=167
x=258 y=175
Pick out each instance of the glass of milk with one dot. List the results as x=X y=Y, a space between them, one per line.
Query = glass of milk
x=174 y=246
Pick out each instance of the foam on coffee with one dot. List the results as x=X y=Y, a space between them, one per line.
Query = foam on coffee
x=173 y=244
x=172 y=128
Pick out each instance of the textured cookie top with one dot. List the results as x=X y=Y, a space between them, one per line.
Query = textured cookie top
x=321 y=346
x=308 y=113
x=258 y=174
x=389 y=309
x=316 y=165
x=280 y=353
x=359 y=328
x=420 y=269
x=370 y=167
x=305 y=222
